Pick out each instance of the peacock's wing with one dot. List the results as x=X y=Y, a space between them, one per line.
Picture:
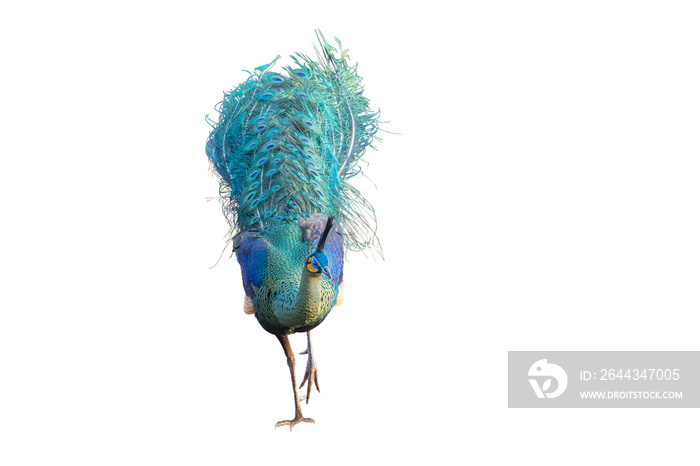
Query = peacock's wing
x=251 y=252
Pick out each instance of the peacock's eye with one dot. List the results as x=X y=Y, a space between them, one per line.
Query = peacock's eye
x=311 y=265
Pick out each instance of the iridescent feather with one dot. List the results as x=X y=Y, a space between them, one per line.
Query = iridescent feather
x=286 y=145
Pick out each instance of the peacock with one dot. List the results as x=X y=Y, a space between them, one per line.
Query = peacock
x=284 y=147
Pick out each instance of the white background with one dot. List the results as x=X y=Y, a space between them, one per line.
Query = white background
x=543 y=195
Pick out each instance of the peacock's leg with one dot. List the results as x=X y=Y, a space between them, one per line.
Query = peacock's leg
x=298 y=417
x=311 y=374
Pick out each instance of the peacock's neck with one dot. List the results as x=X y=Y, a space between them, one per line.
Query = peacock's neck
x=306 y=307
x=308 y=301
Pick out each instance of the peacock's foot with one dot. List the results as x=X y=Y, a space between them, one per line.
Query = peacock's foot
x=297 y=419
x=310 y=376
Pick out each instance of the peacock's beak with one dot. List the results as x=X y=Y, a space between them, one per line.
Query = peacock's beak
x=327 y=272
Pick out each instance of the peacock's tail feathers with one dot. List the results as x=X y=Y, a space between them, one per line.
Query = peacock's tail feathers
x=286 y=145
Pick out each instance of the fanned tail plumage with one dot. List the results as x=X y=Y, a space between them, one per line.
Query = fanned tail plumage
x=286 y=145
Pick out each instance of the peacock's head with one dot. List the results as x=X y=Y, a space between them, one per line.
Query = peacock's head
x=317 y=263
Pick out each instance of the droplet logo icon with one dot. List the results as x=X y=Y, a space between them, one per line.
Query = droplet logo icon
x=544 y=372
